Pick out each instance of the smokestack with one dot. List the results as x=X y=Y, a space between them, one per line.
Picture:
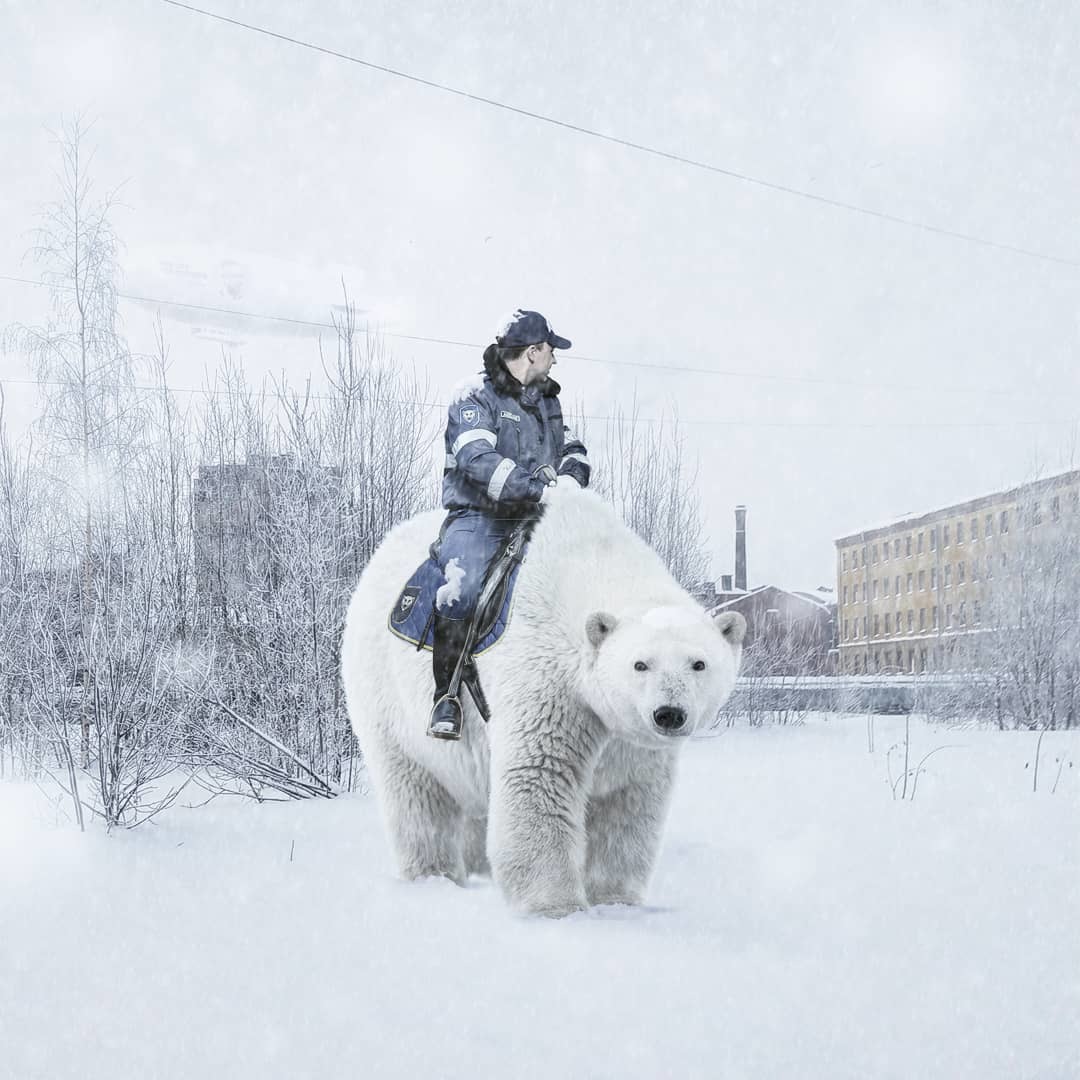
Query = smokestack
x=725 y=583
x=740 y=547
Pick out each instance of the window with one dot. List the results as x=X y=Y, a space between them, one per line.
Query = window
x=843 y=560
x=896 y=548
x=933 y=577
x=909 y=580
x=959 y=532
x=934 y=614
x=960 y=573
x=910 y=619
x=974 y=569
x=1036 y=513
x=907 y=544
x=988 y=526
x=877 y=625
x=948 y=614
x=1055 y=508
x=944 y=535
x=911 y=659
x=845 y=594
x=847 y=630
x=1004 y=521
x=897 y=623
x=962 y=613
x=948 y=575
x=884 y=586
x=933 y=539
x=888 y=623
x=922 y=659
x=989 y=566
x=975 y=613
x=920 y=543
x=1074 y=501
x=922 y=618
x=897 y=584
x=875 y=588
x=864 y=626
x=873 y=553
x=1004 y=560
x=974 y=529
x=922 y=580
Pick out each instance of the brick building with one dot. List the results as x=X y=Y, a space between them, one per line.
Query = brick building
x=908 y=591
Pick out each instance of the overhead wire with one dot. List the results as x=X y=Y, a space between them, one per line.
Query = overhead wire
x=732 y=174
x=730 y=373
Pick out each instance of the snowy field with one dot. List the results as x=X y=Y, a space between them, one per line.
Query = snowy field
x=803 y=924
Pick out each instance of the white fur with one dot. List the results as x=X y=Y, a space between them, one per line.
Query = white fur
x=571 y=781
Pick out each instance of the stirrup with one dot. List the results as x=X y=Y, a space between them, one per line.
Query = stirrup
x=446 y=718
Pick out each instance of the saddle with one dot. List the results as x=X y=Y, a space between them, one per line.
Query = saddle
x=413 y=616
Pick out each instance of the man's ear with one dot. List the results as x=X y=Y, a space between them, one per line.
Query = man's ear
x=732 y=625
x=598 y=626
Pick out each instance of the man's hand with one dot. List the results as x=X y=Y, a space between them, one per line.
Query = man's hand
x=546 y=475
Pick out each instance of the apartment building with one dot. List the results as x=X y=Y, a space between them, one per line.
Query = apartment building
x=908 y=591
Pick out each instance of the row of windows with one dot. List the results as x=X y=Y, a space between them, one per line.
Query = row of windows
x=905 y=622
x=953 y=532
x=914 y=661
x=912 y=582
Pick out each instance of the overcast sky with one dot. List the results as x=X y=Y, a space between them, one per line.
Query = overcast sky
x=257 y=173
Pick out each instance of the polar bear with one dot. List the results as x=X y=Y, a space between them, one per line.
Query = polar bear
x=606 y=666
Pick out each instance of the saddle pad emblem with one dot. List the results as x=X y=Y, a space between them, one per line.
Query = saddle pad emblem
x=405 y=603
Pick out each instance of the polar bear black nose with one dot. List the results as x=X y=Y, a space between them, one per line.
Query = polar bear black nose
x=669 y=718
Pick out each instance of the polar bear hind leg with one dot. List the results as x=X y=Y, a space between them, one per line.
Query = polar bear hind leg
x=426 y=825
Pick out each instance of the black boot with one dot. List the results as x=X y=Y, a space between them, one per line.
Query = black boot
x=446 y=717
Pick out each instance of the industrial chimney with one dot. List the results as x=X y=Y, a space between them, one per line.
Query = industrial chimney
x=740 y=548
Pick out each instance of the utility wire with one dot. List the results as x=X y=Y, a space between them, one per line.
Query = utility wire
x=674 y=420
x=746 y=178
x=761 y=376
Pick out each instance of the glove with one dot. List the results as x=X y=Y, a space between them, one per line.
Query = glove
x=568 y=481
x=546 y=475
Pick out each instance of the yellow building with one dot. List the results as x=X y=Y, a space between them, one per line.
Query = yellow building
x=905 y=592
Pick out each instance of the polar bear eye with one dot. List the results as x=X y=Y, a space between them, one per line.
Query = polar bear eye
x=640 y=665
x=698 y=665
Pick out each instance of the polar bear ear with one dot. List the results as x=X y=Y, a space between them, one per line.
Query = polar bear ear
x=732 y=625
x=598 y=626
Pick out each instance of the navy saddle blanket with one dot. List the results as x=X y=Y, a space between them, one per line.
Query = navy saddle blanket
x=412 y=617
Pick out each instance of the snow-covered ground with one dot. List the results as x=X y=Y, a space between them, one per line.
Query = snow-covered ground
x=803 y=924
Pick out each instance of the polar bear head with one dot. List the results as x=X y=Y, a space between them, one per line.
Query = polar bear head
x=663 y=673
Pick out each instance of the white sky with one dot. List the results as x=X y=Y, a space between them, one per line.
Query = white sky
x=257 y=173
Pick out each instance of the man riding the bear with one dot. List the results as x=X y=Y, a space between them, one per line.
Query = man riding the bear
x=506 y=444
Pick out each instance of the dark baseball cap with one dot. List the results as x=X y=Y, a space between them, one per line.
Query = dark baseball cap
x=528 y=328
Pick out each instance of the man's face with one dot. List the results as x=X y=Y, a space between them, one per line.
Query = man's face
x=542 y=359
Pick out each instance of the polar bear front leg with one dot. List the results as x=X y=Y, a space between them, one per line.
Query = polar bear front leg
x=540 y=777
x=624 y=829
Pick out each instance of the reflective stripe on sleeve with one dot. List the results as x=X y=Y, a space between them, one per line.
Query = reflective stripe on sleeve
x=498 y=479
x=472 y=435
x=451 y=462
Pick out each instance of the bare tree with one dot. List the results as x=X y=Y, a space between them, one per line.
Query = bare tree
x=642 y=469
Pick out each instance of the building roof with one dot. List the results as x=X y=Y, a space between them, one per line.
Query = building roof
x=911 y=521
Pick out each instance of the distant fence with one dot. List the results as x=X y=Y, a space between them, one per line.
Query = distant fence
x=840 y=693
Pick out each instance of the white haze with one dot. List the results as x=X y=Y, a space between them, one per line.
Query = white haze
x=257 y=174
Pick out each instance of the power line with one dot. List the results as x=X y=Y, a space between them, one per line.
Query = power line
x=746 y=178
x=683 y=369
x=628 y=418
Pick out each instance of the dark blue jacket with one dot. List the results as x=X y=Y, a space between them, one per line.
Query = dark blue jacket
x=498 y=434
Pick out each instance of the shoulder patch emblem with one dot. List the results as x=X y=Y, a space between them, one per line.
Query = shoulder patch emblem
x=469 y=415
x=505 y=414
